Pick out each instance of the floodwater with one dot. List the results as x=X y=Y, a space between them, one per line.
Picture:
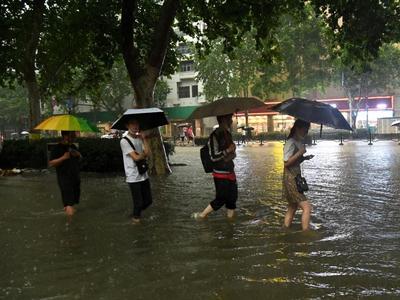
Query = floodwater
x=353 y=252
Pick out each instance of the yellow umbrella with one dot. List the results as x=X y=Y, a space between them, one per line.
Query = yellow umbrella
x=66 y=123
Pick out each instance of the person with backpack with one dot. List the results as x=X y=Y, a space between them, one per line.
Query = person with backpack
x=135 y=152
x=222 y=151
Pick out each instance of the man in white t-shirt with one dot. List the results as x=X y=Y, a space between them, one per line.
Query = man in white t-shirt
x=134 y=149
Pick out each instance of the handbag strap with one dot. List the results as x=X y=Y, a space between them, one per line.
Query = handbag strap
x=130 y=143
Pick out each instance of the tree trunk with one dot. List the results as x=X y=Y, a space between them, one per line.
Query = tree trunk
x=34 y=103
x=144 y=92
x=31 y=41
x=144 y=77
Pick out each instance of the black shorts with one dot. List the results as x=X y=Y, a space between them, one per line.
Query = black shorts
x=226 y=193
x=70 y=191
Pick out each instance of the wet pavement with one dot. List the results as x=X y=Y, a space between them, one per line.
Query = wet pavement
x=353 y=253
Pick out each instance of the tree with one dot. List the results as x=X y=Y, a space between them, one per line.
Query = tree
x=148 y=40
x=14 y=108
x=43 y=43
x=112 y=91
x=382 y=73
x=302 y=61
x=230 y=74
x=161 y=92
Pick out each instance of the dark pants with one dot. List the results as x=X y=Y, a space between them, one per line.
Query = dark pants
x=70 y=190
x=226 y=193
x=141 y=196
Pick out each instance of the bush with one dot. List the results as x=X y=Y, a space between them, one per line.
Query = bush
x=99 y=155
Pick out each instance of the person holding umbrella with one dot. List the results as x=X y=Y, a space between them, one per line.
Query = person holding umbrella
x=65 y=158
x=135 y=150
x=294 y=151
x=222 y=152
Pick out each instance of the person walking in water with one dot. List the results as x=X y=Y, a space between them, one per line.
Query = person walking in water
x=222 y=152
x=65 y=158
x=135 y=150
x=294 y=151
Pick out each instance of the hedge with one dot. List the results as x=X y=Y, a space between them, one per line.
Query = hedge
x=99 y=155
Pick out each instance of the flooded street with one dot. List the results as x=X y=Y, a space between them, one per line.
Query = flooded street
x=354 y=251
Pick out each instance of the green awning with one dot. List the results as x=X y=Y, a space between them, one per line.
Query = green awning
x=98 y=116
x=178 y=113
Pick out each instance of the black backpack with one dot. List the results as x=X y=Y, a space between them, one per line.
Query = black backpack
x=206 y=158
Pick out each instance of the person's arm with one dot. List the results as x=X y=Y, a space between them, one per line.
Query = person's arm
x=294 y=158
x=215 y=153
x=127 y=150
x=58 y=161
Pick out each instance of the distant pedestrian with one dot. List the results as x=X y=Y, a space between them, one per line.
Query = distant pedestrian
x=294 y=151
x=190 y=135
x=65 y=158
x=135 y=151
x=222 y=152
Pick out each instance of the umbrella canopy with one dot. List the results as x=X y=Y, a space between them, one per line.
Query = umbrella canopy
x=66 y=123
x=148 y=118
x=396 y=123
x=224 y=106
x=313 y=112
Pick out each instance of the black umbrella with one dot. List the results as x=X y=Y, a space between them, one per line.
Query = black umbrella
x=225 y=106
x=313 y=112
x=147 y=118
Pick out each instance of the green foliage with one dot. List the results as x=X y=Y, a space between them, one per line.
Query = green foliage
x=230 y=74
x=14 y=106
x=302 y=62
x=161 y=92
x=357 y=29
x=99 y=155
x=109 y=94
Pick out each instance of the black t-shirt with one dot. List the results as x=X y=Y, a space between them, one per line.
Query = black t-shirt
x=68 y=168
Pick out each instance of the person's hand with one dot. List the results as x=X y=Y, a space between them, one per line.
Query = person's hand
x=302 y=150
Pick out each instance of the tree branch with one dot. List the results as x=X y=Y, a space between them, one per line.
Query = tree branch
x=32 y=40
x=162 y=34
x=129 y=52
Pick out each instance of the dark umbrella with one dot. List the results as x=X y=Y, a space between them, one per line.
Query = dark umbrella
x=147 y=118
x=224 y=106
x=313 y=112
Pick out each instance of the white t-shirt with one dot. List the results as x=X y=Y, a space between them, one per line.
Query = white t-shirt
x=290 y=147
x=131 y=170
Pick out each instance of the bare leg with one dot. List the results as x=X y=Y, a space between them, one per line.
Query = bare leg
x=230 y=213
x=69 y=210
x=206 y=211
x=306 y=215
x=291 y=210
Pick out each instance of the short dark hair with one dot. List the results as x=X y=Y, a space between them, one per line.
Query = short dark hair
x=222 y=117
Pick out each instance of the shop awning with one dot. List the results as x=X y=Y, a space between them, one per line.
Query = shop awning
x=178 y=113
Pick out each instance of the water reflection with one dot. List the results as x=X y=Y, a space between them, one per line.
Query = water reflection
x=354 y=252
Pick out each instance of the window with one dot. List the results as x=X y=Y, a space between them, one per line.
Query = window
x=183 y=48
x=187 y=66
x=195 y=91
x=183 y=91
